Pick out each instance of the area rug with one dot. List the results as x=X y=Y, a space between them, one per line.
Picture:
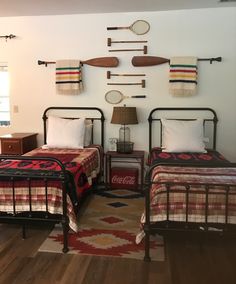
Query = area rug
x=108 y=227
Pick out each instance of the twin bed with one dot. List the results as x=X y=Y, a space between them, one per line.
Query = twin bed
x=188 y=187
x=49 y=183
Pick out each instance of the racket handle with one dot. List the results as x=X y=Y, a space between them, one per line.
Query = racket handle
x=112 y=28
x=138 y=97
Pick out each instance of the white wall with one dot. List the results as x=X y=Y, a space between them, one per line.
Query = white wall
x=203 y=33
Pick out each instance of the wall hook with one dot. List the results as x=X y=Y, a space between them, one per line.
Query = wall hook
x=10 y=36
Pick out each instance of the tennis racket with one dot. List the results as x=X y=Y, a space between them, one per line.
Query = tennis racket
x=115 y=97
x=139 y=27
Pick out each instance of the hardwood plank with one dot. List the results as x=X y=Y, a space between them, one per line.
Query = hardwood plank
x=194 y=260
x=189 y=259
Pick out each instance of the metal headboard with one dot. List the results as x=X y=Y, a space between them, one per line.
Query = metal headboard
x=151 y=119
x=99 y=117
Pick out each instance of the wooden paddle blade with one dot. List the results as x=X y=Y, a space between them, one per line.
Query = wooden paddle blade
x=148 y=60
x=102 y=61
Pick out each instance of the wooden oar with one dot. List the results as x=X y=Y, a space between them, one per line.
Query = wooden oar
x=98 y=62
x=154 y=60
x=148 y=60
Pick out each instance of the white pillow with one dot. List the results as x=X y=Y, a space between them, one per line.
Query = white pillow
x=183 y=136
x=88 y=132
x=65 y=133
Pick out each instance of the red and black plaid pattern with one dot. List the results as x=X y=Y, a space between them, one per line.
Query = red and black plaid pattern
x=178 y=177
x=80 y=164
x=157 y=156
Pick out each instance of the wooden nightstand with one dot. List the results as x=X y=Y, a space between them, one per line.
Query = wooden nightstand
x=18 y=143
x=134 y=157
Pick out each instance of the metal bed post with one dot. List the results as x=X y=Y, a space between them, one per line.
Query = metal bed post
x=147 y=215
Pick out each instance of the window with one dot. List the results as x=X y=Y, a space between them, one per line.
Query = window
x=4 y=95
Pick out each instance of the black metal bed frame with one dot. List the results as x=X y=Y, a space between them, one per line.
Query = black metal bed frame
x=168 y=225
x=152 y=119
x=45 y=176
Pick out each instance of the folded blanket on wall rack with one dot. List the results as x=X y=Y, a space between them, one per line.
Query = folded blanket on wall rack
x=183 y=76
x=69 y=77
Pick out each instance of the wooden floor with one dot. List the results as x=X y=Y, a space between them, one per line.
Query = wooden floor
x=188 y=260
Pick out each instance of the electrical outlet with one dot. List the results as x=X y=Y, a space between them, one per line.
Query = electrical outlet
x=15 y=109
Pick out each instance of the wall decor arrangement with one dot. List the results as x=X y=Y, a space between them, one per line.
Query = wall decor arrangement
x=182 y=72
x=142 y=83
x=109 y=74
x=69 y=72
x=144 y=49
x=116 y=97
x=108 y=61
x=10 y=36
x=110 y=41
x=139 y=27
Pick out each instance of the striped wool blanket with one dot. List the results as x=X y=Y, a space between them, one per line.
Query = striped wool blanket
x=183 y=76
x=69 y=77
x=198 y=178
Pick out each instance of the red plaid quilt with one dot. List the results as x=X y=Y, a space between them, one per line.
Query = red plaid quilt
x=78 y=163
x=215 y=178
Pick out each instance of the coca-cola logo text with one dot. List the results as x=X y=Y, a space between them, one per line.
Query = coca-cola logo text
x=123 y=179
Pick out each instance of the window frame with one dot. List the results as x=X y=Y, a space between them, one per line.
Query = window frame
x=5 y=94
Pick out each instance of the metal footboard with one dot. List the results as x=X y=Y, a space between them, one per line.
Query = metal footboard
x=13 y=176
x=187 y=225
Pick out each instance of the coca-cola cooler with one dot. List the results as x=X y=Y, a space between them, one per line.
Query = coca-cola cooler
x=126 y=178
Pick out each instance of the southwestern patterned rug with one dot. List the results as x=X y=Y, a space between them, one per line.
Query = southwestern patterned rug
x=108 y=227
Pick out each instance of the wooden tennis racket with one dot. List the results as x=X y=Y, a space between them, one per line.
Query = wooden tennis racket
x=115 y=97
x=139 y=27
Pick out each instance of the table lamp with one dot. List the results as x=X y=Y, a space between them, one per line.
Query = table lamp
x=124 y=116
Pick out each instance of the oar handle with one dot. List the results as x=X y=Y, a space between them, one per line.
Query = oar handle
x=138 y=97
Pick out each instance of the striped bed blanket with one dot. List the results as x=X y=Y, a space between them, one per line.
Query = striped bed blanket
x=183 y=76
x=197 y=178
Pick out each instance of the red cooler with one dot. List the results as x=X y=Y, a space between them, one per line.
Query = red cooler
x=126 y=178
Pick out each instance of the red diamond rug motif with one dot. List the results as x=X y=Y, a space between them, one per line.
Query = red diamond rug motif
x=107 y=231
x=111 y=220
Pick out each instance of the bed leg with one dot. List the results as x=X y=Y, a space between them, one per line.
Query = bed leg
x=23 y=232
x=147 y=247
x=65 y=237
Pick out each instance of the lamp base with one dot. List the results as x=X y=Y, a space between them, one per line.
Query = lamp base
x=124 y=134
x=125 y=147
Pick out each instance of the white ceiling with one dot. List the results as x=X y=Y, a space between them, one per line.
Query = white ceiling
x=11 y=8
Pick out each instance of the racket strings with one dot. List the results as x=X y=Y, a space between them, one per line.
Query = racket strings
x=140 y=27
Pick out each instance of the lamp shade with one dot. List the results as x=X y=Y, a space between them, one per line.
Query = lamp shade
x=124 y=115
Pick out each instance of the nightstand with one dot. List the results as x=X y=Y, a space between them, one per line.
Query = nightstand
x=134 y=157
x=18 y=143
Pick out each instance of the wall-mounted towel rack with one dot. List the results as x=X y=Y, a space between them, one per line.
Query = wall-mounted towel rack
x=97 y=62
x=155 y=60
